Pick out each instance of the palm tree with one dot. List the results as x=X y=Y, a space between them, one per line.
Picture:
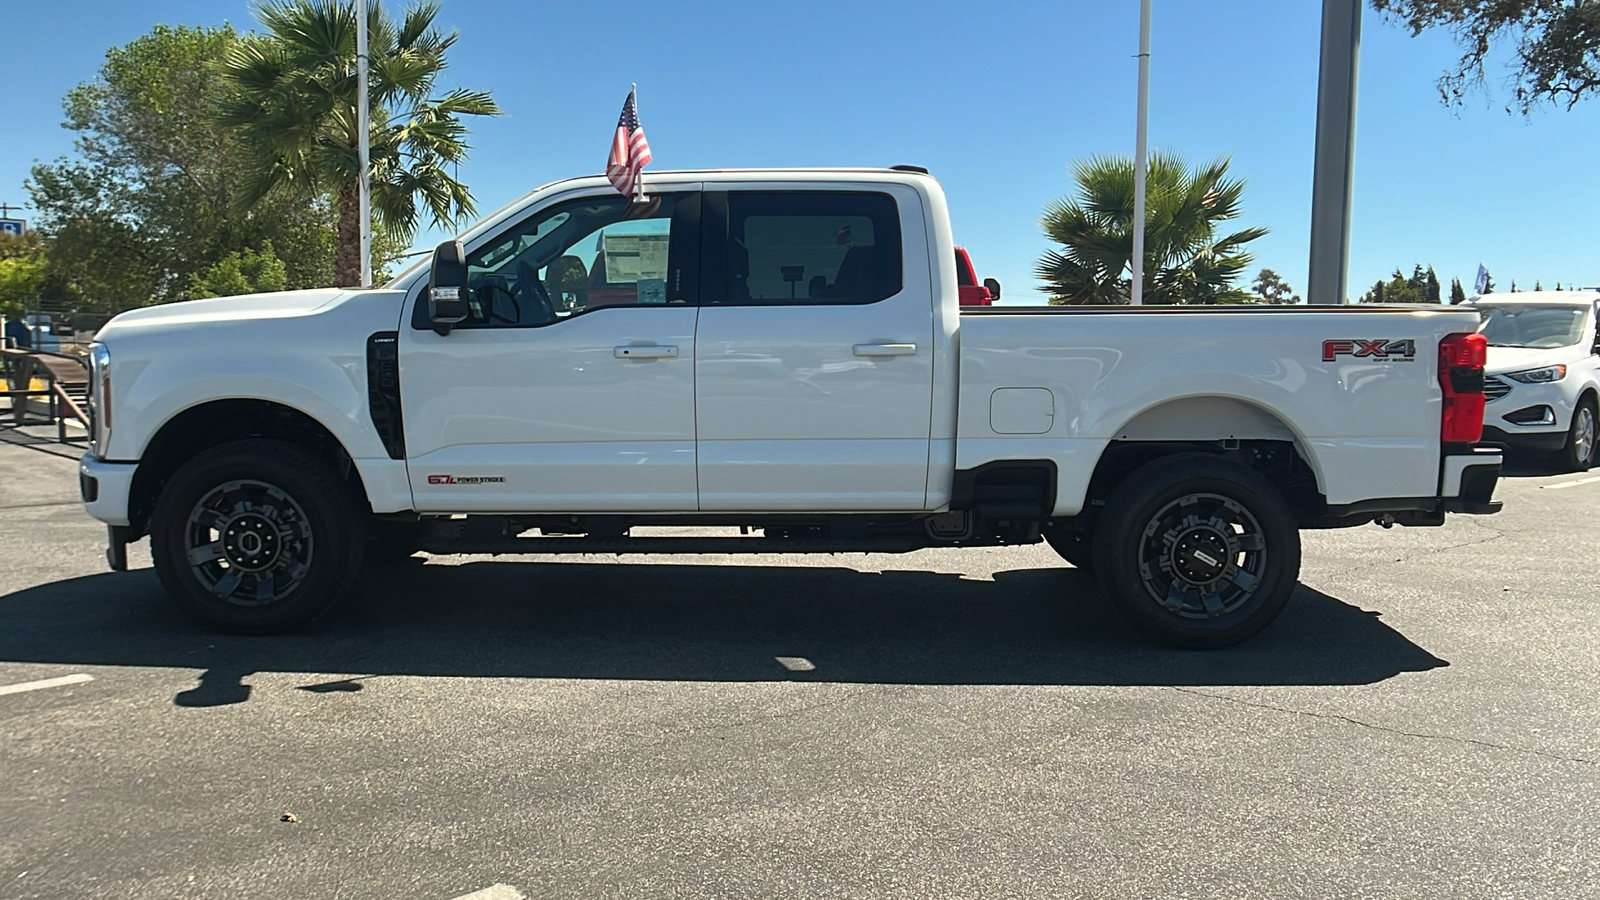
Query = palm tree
x=291 y=94
x=1186 y=260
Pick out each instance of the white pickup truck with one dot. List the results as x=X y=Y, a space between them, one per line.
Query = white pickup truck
x=779 y=354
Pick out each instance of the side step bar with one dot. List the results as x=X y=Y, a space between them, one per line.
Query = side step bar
x=620 y=545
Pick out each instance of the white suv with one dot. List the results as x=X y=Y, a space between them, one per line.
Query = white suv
x=1543 y=376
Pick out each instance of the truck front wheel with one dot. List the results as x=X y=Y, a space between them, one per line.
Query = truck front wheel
x=255 y=536
x=1197 y=551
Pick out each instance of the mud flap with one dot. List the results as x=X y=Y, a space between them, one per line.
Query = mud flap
x=117 y=547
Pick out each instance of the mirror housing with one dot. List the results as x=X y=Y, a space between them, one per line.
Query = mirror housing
x=447 y=287
x=993 y=285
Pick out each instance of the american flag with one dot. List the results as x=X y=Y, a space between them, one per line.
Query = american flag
x=629 y=149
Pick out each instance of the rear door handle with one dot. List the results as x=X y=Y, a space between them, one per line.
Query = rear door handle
x=886 y=349
x=648 y=351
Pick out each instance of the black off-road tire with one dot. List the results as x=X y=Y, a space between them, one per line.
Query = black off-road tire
x=256 y=537
x=1583 y=436
x=1197 y=552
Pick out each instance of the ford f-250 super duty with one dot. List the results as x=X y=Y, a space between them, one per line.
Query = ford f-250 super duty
x=779 y=352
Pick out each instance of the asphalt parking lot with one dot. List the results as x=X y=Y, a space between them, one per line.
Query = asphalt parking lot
x=1422 y=722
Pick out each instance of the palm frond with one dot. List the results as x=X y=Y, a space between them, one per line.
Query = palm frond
x=1185 y=260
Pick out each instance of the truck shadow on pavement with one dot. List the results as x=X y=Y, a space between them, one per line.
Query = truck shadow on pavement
x=734 y=623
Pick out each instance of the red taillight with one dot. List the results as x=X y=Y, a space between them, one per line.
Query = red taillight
x=1461 y=361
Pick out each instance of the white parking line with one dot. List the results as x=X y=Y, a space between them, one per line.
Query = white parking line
x=63 y=681
x=495 y=892
x=1567 y=484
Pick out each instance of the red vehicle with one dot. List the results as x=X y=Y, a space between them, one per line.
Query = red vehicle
x=973 y=293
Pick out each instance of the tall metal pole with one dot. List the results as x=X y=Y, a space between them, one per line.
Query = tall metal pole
x=1136 y=297
x=363 y=126
x=1332 y=178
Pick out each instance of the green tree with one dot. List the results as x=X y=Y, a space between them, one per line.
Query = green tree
x=1555 y=44
x=1537 y=285
x=1186 y=259
x=241 y=272
x=1430 y=288
x=291 y=97
x=152 y=196
x=1488 y=282
x=22 y=271
x=1271 y=288
x=1458 y=294
x=1400 y=289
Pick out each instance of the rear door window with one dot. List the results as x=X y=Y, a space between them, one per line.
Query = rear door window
x=810 y=248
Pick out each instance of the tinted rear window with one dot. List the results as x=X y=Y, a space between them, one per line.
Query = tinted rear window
x=812 y=247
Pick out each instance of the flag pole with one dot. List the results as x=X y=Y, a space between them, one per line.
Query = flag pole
x=638 y=183
x=363 y=127
x=1136 y=296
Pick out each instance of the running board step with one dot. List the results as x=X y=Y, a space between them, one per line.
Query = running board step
x=546 y=545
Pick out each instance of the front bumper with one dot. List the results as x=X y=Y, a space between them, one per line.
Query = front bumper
x=1526 y=441
x=105 y=488
x=1561 y=397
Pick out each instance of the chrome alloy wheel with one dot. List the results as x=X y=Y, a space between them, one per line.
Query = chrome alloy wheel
x=1583 y=435
x=248 y=542
x=1202 y=556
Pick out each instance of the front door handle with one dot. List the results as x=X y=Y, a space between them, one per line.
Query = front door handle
x=647 y=351
x=886 y=349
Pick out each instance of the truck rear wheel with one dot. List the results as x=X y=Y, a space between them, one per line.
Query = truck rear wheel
x=255 y=537
x=1197 y=552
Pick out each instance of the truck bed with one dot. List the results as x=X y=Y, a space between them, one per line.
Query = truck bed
x=1367 y=425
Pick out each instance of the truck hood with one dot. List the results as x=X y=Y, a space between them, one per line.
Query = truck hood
x=284 y=304
x=1517 y=359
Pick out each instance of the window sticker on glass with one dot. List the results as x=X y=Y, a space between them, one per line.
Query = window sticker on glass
x=635 y=257
x=652 y=290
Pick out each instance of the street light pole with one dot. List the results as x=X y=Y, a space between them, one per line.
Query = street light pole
x=1136 y=296
x=363 y=127
x=1332 y=178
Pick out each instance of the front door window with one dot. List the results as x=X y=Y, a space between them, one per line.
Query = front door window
x=576 y=258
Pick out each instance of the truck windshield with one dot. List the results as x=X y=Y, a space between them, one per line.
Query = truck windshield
x=1532 y=325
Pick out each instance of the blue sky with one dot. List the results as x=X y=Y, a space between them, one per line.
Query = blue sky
x=996 y=98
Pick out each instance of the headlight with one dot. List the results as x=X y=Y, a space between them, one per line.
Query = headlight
x=100 y=398
x=1539 y=376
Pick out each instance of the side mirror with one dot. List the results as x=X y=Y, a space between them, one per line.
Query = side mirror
x=447 y=287
x=994 y=288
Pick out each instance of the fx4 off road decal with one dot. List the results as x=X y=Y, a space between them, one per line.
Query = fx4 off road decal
x=1380 y=350
x=466 y=479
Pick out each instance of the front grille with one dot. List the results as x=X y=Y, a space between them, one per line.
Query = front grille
x=1495 y=388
